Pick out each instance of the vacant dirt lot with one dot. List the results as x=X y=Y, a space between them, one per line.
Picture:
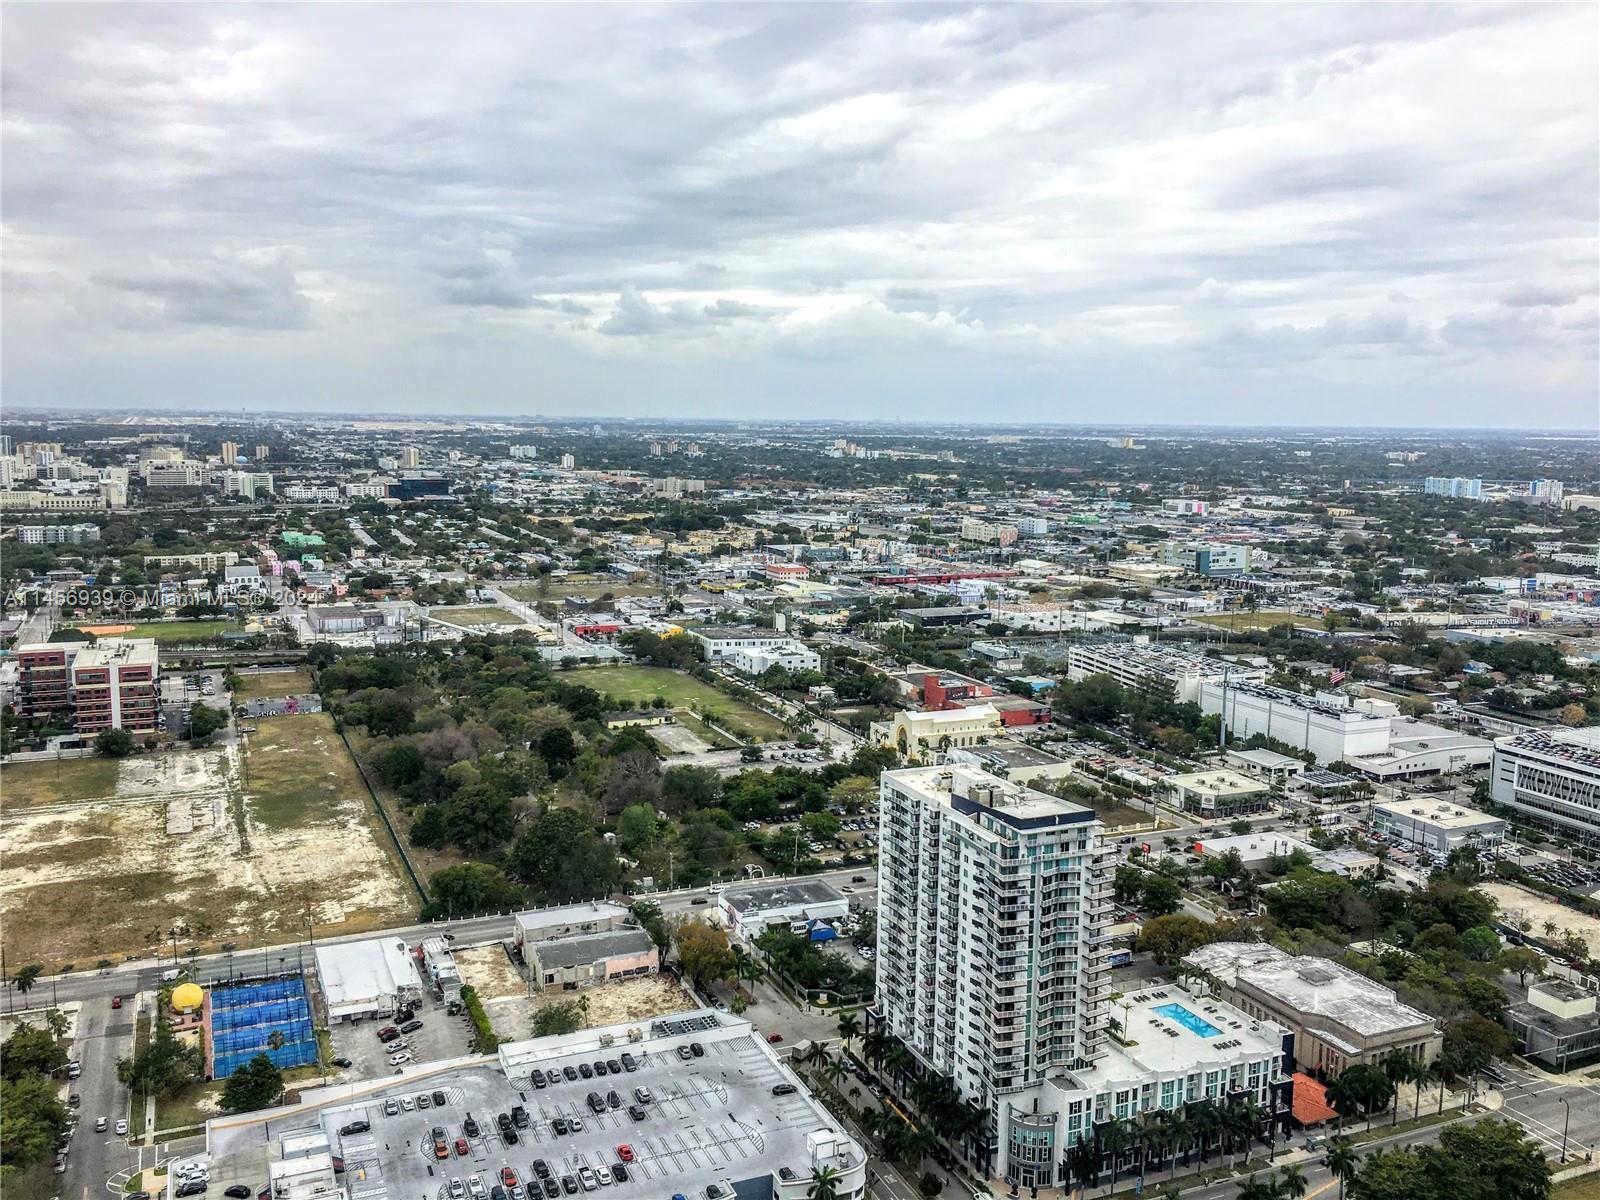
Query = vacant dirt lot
x=273 y=684
x=223 y=845
x=637 y=999
x=1515 y=902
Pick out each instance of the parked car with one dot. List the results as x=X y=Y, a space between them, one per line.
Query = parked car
x=411 y=1026
x=355 y=1127
x=784 y=1089
x=388 y=1033
x=469 y=1126
x=774 y=1038
x=637 y=1113
x=570 y=1072
x=552 y=1189
x=116 y=1002
x=457 y=1189
x=629 y=1063
x=462 y=1148
x=341 y=1061
x=625 y=1152
x=439 y=1100
x=642 y=1095
x=238 y=1191
x=569 y=1185
x=619 y=1172
x=696 y=1049
x=508 y=1177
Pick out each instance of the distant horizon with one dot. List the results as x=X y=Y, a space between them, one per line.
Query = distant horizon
x=224 y=416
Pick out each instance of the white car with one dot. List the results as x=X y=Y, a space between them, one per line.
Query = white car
x=603 y=1174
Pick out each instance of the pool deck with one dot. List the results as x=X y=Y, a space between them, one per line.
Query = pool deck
x=1163 y=1044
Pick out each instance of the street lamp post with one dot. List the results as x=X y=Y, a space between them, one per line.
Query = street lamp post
x=1566 y=1122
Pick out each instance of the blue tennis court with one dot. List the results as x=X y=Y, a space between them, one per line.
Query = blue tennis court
x=245 y=1018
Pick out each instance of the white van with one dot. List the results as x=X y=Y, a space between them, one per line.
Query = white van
x=170 y=975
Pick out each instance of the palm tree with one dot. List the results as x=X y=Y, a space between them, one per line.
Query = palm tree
x=1342 y=1160
x=1293 y=1182
x=849 y=1026
x=1115 y=1137
x=1441 y=1072
x=1342 y=1098
x=1255 y=1189
x=835 y=1072
x=817 y=1055
x=824 y=1184
x=1180 y=1130
x=1398 y=1067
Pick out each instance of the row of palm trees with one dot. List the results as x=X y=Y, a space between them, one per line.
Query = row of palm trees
x=1200 y=1128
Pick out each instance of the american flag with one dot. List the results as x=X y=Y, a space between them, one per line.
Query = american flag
x=1336 y=677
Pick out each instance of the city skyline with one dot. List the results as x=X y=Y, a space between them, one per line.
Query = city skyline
x=1364 y=217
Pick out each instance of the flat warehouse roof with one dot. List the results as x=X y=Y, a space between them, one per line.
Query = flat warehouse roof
x=585 y=948
x=782 y=895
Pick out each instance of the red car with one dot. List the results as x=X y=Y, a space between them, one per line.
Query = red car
x=774 y=1038
x=116 y=1002
x=461 y=1147
x=441 y=1148
x=625 y=1152
x=508 y=1177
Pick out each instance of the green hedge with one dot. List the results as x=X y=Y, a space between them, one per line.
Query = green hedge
x=485 y=1040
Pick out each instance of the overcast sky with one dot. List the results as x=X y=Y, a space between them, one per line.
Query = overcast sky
x=1265 y=213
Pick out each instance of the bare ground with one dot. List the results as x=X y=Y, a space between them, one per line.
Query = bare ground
x=176 y=845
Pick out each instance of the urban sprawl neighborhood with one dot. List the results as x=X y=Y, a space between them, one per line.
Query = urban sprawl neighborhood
x=793 y=811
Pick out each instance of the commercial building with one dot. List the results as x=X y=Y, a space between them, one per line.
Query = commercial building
x=1135 y=664
x=1206 y=558
x=720 y=644
x=1015 y=762
x=974 y=530
x=1184 y=508
x=584 y=958
x=791 y=656
x=1337 y=1016
x=1551 y=778
x=1556 y=1024
x=338 y=619
x=1219 y=794
x=1456 y=488
x=1420 y=748
x=439 y=968
x=60 y=502
x=58 y=535
x=44 y=684
x=568 y=920
x=1331 y=731
x=114 y=686
x=367 y=979
x=751 y=911
x=249 y=484
x=174 y=473
x=1435 y=825
x=206 y=562
x=944 y=617
x=230 y=453
x=994 y=942
x=1256 y=851
x=918 y=735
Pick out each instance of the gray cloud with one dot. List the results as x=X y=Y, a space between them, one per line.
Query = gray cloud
x=1137 y=199
x=247 y=292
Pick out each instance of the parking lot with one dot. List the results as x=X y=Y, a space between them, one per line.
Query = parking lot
x=442 y=1036
x=709 y=1118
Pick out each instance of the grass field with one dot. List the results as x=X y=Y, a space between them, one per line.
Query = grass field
x=231 y=846
x=640 y=685
x=298 y=771
x=180 y=631
x=484 y=615
x=270 y=685
x=1585 y=1187
x=35 y=784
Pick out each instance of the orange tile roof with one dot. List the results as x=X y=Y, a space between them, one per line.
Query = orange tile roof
x=1310 y=1101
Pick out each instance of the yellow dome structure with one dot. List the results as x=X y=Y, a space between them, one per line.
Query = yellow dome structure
x=187 y=997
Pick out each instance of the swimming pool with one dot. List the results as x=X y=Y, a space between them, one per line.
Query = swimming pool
x=1195 y=1025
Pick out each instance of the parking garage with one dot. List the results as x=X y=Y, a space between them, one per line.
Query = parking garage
x=722 y=1113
